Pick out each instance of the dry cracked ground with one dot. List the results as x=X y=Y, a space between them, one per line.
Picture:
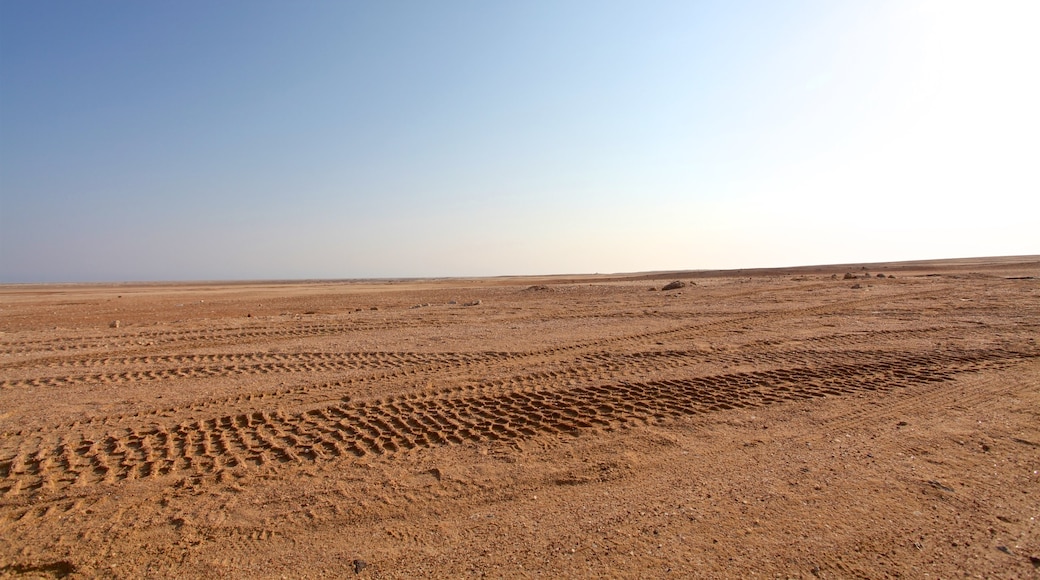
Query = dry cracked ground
x=773 y=423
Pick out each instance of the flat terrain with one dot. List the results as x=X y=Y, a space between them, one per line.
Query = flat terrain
x=792 y=423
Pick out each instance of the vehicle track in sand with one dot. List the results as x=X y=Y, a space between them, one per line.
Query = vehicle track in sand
x=263 y=363
x=397 y=424
x=592 y=385
x=588 y=360
x=296 y=330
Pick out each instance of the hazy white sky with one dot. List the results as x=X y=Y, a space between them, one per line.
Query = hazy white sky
x=251 y=140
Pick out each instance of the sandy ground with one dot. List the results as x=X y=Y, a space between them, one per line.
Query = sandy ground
x=785 y=423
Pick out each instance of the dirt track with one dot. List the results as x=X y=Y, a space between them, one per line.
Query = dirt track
x=768 y=422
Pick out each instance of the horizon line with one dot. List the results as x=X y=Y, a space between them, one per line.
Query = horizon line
x=647 y=274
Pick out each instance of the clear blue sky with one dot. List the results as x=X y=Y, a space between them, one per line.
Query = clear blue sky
x=271 y=139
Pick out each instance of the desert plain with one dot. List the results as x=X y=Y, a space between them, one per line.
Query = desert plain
x=851 y=421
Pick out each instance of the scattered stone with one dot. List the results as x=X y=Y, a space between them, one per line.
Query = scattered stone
x=374 y=308
x=359 y=565
x=834 y=276
x=249 y=315
x=880 y=275
x=453 y=302
x=856 y=286
x=652 y=289
x=474 y=303
x=891 y=276
x=114 y=324
x=849 y=276
x=538 y=288
x=674 y=285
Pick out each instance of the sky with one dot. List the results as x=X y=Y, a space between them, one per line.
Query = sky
x=257 y=139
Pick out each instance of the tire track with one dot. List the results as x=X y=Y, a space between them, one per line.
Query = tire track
x=584 y=371
x=329 y=362
x=398 y=424
x=274 y=363
x=239 y=335
x=596 y=365
x=233 y=335
x=265 y=364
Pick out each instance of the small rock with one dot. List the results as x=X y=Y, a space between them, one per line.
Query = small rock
x=674 y=285
x=114 y=324
x=848 y=276
x=880 y=275
x=359 y=565
x=856 y=286
x=474 y=303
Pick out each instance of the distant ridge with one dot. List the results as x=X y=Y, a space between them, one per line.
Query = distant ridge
x=949 y=265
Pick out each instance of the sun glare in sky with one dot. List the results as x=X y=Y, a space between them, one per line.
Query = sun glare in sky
x=273 y=140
